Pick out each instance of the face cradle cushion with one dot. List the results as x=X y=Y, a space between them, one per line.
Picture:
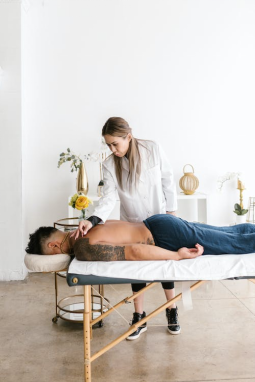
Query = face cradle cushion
x=47 y=263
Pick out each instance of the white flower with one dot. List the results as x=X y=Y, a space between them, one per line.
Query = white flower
x=226 y=177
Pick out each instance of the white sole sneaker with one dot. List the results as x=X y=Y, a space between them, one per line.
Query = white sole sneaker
x=174 y=333
x=135 y=336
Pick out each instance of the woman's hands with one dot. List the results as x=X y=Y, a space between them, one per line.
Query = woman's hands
x=190 y=253
x=171 y=213
x=84 y=227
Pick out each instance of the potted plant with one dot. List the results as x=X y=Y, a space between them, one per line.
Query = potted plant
x=240 y=213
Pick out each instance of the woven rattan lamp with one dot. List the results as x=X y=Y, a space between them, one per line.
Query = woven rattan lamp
x=188 y=182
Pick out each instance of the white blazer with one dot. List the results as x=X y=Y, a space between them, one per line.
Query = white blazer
x=155 y=193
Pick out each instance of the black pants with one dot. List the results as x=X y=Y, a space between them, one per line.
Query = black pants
x=165 y=285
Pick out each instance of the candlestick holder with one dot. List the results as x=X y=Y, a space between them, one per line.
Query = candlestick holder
x=241 y=188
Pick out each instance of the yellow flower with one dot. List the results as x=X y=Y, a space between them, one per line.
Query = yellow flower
x=82 y=202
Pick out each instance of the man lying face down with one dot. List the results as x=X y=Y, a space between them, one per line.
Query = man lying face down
x=160 y=237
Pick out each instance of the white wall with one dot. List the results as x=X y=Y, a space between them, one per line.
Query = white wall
x=11 y=256
x=181 y=72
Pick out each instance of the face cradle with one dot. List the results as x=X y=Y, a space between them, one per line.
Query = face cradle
x=118 y=145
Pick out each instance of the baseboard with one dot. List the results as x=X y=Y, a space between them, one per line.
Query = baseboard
x=10 y=275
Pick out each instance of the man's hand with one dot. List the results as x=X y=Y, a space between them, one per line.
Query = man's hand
x=82 y=230
x=190 y=253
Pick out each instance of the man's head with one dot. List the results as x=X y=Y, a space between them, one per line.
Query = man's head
x=44 y=241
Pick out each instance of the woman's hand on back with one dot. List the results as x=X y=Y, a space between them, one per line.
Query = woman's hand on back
x=82 y=230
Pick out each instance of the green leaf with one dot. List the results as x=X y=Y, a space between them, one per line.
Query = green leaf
x=68 y=150
x=62 y=154
x=244 y=211
x=237 y=207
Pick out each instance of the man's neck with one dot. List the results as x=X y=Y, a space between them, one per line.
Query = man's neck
x=66 y=244
x=71 y=243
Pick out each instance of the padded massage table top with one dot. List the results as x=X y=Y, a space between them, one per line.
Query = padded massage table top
x=209 y=267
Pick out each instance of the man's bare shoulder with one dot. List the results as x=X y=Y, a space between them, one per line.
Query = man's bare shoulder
x=84 y=251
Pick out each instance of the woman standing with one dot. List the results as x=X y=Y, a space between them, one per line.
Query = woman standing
x=139 y=171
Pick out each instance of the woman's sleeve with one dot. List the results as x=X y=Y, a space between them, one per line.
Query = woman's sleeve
x=108 y=200
x=168 y=182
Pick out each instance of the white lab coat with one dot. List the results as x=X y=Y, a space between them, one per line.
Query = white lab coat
x=155 y=193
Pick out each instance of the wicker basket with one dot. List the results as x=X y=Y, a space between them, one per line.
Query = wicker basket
x=188 y=182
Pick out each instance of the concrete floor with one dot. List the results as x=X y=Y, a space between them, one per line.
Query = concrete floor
x=217 y=342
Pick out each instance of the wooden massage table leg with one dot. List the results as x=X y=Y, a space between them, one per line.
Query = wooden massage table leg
x=87 y=333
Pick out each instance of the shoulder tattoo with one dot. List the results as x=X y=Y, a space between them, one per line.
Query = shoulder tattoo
x=84 y=251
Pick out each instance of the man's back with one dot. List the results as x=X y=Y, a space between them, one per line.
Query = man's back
x=119 y=232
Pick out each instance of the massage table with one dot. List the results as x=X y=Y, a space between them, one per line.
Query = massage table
x=199 y=271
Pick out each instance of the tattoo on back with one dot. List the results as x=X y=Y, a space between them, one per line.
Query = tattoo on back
x=150 y=241
x=98 y=252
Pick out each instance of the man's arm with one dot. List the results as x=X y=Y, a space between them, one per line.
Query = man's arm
x=101 y=251
x=149 y=252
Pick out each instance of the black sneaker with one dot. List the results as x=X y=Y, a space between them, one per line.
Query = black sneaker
x=173 y=323
x=137 y=317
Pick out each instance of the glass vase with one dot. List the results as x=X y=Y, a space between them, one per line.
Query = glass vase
x=82 y=215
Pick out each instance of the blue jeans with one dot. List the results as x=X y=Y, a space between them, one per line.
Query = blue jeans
x=172 y=233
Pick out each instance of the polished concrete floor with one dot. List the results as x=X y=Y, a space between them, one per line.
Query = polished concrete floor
x=217 y=342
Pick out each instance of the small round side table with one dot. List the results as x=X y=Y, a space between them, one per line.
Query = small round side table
x=71 y=308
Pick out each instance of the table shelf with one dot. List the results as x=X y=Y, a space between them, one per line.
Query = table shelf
x=192 y=207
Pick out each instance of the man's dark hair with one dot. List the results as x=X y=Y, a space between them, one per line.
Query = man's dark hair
x=37 y=239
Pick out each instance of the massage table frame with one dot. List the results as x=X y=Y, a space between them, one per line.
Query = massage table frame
x=88 y=323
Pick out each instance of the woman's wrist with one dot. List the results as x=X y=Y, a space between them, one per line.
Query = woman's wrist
x=94 y=220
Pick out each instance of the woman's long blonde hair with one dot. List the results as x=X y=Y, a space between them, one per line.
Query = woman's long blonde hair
x=118 y=127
